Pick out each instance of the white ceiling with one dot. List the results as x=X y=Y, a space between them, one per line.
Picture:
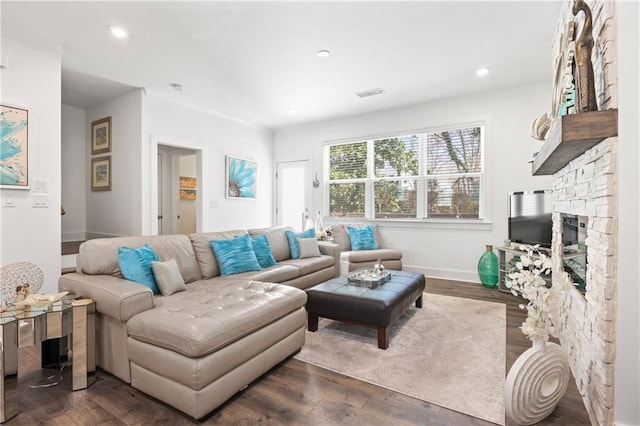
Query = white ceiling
x=253 y=60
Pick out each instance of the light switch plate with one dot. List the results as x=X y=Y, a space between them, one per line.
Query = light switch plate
x=8 y=200
x=40 y=201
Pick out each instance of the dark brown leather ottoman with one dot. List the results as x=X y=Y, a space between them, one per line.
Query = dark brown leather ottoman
x=371 y=307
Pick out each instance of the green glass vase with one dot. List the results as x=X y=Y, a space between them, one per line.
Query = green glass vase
x=488 y=268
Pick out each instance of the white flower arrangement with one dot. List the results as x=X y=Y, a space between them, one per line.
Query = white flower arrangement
x=527 y=280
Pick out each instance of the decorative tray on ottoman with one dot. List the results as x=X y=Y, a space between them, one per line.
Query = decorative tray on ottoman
x=368 y=278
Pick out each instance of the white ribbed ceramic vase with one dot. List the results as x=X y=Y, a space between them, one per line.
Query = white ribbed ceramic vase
x=536 y=382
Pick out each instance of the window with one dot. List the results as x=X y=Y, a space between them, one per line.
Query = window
x=436 y=174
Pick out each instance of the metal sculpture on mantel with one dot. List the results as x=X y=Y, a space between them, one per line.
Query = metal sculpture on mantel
x=586 y=99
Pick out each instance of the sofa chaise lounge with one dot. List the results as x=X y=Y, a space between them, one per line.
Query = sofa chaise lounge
x=196 y=348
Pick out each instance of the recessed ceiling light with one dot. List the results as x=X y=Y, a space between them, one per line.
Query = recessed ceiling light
x=177 y=86
x=370 y=92
x=483 y=71
x=323 y=53
x=118 y=32
x=293 y=110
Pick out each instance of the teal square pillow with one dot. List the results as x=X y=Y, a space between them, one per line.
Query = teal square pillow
x=363 y=238
x=135 y=265
x=263 y=251
x=293 y=242
x=235 y=255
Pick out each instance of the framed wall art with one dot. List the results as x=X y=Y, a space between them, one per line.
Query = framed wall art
x=241 y=181
x=14 y=147
x=187 y=194
x=101 y=136
x=187 y=182
x=101 y=173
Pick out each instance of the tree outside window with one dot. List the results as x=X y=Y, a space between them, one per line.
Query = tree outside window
x=427 y=174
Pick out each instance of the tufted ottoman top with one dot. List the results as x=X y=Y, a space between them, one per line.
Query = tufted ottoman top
x=208 y=316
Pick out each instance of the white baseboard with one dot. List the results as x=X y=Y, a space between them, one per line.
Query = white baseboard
x=447 y=274
x=94 y=235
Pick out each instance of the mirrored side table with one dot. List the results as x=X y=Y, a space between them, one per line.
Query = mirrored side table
x=23 y=327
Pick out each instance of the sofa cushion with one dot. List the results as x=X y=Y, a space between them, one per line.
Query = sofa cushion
x=311 y=264
x=362 y=238
x=278 y=273
x=210 y=316
x=206 y=260
x=235 y=255
x=168 y=277
x=135 y=264
x=263 y=251
x=100 y=256
x=341 y=236
x=308 y=247
x=278 y=241
x=370 y=255
x=293 y=242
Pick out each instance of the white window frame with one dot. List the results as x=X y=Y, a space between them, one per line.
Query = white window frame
x=422 y=177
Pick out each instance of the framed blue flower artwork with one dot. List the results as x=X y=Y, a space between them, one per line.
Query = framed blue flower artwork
x=241 y=179
x=14 y=162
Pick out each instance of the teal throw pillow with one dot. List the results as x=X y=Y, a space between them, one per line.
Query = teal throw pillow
x=293 y=242
x=235 y=255
x=135 y=265
x=263 y=251
x=363 y=238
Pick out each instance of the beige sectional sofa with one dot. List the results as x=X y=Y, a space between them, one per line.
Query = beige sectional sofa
x=196 y=348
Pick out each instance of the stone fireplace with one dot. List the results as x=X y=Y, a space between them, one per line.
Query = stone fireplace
x=587 y=186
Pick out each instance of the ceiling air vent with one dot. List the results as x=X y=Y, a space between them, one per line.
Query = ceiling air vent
x=370 y=92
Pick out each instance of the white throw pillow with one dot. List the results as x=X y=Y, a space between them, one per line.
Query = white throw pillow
x=308 y=247
x=168 y=277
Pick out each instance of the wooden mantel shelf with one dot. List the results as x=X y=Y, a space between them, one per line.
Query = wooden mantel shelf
x=572 y=135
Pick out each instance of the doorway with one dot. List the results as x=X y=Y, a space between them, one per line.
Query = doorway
x=177 y=190
x=292 y=197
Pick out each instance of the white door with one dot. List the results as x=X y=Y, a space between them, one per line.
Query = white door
x=160 y=191
x=293 y=198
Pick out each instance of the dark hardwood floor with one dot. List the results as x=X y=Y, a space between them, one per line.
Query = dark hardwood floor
x=293 y=393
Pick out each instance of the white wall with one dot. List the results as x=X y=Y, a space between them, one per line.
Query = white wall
x=32 y=81
x=119 y=211
x=627 y=393
x=171 y=123
x=443 y=249
x=74 y=173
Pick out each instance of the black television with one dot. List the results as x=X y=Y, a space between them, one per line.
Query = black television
x=530 y=219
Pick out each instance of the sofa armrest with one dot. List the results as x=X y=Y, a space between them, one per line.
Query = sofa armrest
x=333 y=250
x=116 y=297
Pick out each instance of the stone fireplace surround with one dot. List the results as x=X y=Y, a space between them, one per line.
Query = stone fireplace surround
x=587 y=186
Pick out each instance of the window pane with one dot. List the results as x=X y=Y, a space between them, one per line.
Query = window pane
x=348 y=161
x=397 y=156
x=346 y=199
x=453 y=197
x=395 y=199
x=454 y=151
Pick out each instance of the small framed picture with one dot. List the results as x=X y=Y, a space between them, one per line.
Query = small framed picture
x=101 y=173
x=101 y=136
x=187 y=194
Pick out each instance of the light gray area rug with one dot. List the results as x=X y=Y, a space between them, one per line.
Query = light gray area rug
x=449 y=353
